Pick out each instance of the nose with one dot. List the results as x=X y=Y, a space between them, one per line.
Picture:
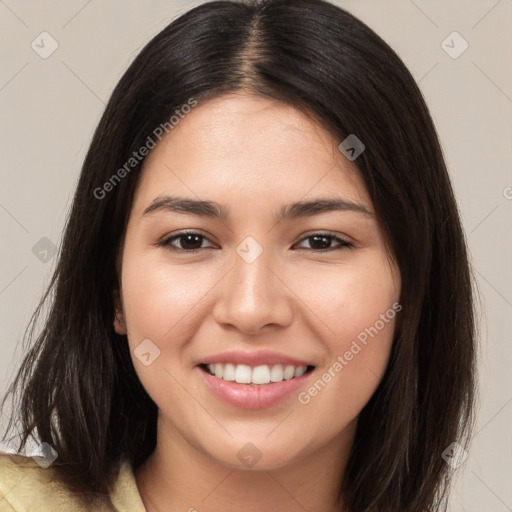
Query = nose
x=254 y=297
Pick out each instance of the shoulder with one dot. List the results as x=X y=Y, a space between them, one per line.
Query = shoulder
x=27 y=487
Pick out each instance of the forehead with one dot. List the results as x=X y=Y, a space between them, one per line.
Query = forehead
x=247 y=148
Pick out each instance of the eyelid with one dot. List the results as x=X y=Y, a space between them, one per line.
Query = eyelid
x=165 y=240
x=324 y=232
x=342 y=242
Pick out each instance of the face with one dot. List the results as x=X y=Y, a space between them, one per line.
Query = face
x=252 y=289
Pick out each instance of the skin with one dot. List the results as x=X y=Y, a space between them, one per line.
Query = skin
x=253 y=155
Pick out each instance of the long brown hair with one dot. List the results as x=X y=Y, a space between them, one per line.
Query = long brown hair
x=77 y=388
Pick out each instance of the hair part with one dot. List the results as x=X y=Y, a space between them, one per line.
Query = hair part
x=77 y=388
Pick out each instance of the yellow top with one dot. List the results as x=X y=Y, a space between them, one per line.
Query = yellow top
x=26 y=487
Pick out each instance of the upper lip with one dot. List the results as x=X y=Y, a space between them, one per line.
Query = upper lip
x=260 y=357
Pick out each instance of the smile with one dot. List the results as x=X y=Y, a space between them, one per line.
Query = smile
x=260 y=375
x=254 y=387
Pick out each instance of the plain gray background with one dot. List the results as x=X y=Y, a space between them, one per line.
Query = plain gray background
x=50 y=107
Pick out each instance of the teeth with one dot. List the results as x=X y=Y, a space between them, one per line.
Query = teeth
x=276 y=374
x=288 y=373
x=301 y=370
x=263 y=374
x=228 y=373
x=242 y=373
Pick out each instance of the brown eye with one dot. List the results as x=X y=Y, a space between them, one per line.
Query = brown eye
x=191 y=242
x=188 y=242
x=322 y=242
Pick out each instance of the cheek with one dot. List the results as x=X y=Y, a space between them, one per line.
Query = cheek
x=357 y=308
x=159 y=298
x=161 y=305
x=347 y=298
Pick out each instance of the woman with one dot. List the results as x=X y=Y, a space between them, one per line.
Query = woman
x=263 y=297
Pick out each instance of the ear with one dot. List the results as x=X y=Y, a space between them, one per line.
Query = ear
x=119 y=320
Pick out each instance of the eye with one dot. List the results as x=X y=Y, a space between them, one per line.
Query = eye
x=191 y=241
x=321 y=242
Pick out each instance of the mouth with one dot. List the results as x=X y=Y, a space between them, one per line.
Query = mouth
x=254 y=379
x=261 y=375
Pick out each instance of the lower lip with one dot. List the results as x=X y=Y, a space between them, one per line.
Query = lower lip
x=252 y=396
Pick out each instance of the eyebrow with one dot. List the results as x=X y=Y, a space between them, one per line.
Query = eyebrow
x=215 y=210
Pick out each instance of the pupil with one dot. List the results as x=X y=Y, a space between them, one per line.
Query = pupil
x=325 y=238
x=189 y=241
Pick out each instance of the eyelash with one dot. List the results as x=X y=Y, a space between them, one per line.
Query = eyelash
x=166 y=242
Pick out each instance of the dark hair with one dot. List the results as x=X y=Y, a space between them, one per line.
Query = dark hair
x=79 y=390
